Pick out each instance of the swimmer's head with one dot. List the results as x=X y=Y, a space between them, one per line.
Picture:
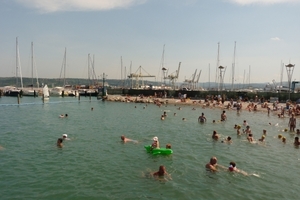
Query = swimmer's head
x=64 y=135
x=122 y=137
x=155 y=139
x=231 y=166
x=279 y=136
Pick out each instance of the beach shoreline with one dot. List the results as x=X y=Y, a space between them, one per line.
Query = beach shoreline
x=245 y=106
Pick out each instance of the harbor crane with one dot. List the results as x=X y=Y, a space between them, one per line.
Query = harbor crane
x=173 y=77
x=138 y=75
x=190 y=82
x=197 y=80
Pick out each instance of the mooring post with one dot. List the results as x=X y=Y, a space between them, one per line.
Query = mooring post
x=18 y=98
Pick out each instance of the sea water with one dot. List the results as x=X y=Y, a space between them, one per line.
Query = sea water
x=95 y=164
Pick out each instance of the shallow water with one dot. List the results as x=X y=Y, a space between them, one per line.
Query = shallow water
x=94 y=164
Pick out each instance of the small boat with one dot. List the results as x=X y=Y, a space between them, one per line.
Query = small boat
x=11 y=91
x=162 y=151
x=45 y=93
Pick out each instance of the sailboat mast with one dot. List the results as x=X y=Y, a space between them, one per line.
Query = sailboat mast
x=233 y=67
x=131 y=74
x=209 y=76
x=17 y=74
x=32 y=64
x=121 y=71
x=217 y=67
x=249 y=75
x=65 y=65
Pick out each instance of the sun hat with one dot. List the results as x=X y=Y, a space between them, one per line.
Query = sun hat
x=65 y=135
x=155 y=138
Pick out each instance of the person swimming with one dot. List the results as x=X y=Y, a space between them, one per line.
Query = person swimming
x=124 y=139
x=215 y=135
x=161 y=172
x=227 y=140
x=168 y=146
x=59 y=142
x=232 y=168
x=212 y=165
x=65 y=137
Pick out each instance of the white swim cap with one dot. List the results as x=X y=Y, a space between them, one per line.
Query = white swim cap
x=65 y=135
x=155 y=138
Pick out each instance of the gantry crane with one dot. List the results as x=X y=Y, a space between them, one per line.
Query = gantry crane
x=173 y=76
x=197 y=80
x=138 y=75
x=190 y=82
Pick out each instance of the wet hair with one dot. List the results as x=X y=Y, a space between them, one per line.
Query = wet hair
x=66 y=115
x=168 y=146
x=213 y=160
x=122 y=137
x=161 y=170
x=296 y=138
x=60 y=140
x=229 y=138
x=232 y=163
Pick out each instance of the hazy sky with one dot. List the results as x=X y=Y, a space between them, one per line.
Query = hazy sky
x=267 y=32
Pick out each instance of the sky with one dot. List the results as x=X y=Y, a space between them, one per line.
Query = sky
x=125 y=34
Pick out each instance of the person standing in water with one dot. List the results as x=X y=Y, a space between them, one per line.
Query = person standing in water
x=223 y=116
x=202 y=118
x=292 y=123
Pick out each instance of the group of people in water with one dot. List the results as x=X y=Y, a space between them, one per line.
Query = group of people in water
x=155 y=145
x=213 y=166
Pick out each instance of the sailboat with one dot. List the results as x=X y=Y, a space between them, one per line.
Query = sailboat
x=10 y=90
x=45 y=93
x=31 y=91
x=66 y=90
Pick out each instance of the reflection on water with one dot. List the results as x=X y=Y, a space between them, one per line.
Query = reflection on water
x=94 y=164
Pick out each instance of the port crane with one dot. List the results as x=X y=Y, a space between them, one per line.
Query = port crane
x=173 y=77
x=190 y=82
x=197 y=80
x=139 y=76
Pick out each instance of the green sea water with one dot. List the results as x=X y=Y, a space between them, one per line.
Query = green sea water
x=95 y=164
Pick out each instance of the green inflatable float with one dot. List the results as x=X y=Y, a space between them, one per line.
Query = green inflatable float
x=162 y=151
